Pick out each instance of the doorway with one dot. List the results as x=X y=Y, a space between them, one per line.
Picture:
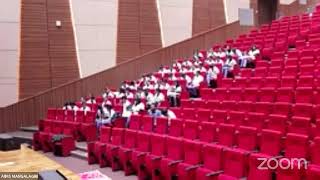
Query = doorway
x=267 y=11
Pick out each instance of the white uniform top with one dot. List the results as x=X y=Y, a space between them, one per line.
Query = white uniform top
x=174 y=91
x=91 y=101
x=231 y=63
x=85 y=109
x=137 y=108
x=125 y=111
x=254 y=53
x=196 y=81
x=158 y=98
x=107 y=115
x=109 y=95
x=213 y=74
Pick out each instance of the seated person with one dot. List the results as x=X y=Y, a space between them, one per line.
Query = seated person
x=254 y=52
x=105 y=115
x=158 y=97
x=107 y=94
x=228 y=67
x=168 y=114
x=212 y=76
x=137 y=106
x=244 y=59
x=154 y=112
x=186 y=78
x=92 y=99
x=174 y=93
x=148 y=96
x=193 y=87
x=126 y=109
x=84 y=107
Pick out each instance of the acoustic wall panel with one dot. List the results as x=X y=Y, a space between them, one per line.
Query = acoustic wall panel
x=138 y=28
x=47 y=53
x=207 y=14
x=96 y=32
x=232 y=9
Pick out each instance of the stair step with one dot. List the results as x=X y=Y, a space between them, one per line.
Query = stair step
x=79 y=154
x=30 y=129
x=82 y=146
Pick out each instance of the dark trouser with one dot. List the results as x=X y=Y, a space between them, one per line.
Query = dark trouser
x=213 y=83
x=174 y=101
x=193 y=92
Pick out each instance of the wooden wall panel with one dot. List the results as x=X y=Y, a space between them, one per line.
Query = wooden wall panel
x=295 y=8
x=138 y=28
x=34 y=75
x=47 y=53
x=30 y=110
x=207 y=14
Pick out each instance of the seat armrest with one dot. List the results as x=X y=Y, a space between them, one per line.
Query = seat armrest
x=115 y=147
x=216 y=173
x=142 y=154
x=174 y=162
x=190 y=168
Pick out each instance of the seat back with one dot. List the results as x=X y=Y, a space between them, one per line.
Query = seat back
x=303 y=110
x=79 y=116
x=300 y=125
x=235 y=162
x=105 y=134
x=135 y=122
x=192 y=152
x=247 y=138
x=212 y=157
x=203 y=115
x=158 y=144
x=226 y=134
x=296 y=146
x=117 y=136
x=161 y=126
x=256 y=120
x=174 y=148
x=90 y=117
x=304 y=95
x=312 y=173
x=130 y=137
x=143 y=141
x=236 y=118
x=146 y=124
x=207 y=131
x=277 y=123
x=254 y=163
x=175 y=128
x=60 y=114
x=189 y=113
x=270 y=142
x=191 y=129
x=51 y=113
x=219 y=116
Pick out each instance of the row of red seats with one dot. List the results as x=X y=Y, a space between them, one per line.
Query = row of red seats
x=285 y=94
x=158 y=156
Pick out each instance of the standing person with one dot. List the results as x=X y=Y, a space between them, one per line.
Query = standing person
x=193 y=87
x=174 y=93
x=212 y=76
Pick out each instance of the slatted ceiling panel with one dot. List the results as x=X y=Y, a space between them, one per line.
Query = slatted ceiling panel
x=207 y=14
x=138 y=28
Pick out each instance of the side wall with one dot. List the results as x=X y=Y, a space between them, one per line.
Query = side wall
x=9 y=50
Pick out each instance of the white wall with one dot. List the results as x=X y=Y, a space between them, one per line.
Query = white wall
x=175 y=20
x=287 y=1
x=231 y=9
x=96 y=34
x=9 y=50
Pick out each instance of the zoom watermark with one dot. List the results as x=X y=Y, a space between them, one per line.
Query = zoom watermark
x=283 y=163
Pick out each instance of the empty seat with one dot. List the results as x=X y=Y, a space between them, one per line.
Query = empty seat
x=135 y=122
x=267 y=95
x=219 y=116
x=250 y=94
x=207 y=131
x=191 y=130
x=245 y=106
x=236 y=118
x=307 y=70
x=281 y=108
x=300 y=125
x=293 y=172
x=277 y=123
x=240 y=82
x=228 y=105
x=312 y=172
x=255 y=82
x=270 y=142
x=51 y=113
x=288 y=82
x=262 y=107
x=296 y=146
x=284 y=95
x=147 y=124
x=314 y=151
x=220 y=94
x=124 y=151
x=303 y=110
x=212 y=161
x=234 y=163
x=226 y=134
x=235 y=94
x=158 y=150
x=305 y=81
x=213 y=104
x=175 y=129
x=304 y=95
x=290 y=71
x=256 y=120
x=189 y=113
x=168 y=165
x=226 y=83
x=192 y=157
x=247 y=138
x=204 y=115
x=161 y=126
x=254 y=172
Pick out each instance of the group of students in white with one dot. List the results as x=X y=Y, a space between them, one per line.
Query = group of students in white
x=150 y=91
